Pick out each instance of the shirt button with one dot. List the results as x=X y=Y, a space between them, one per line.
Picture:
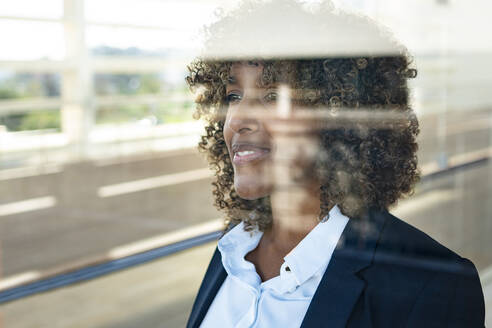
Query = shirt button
x=287 y=268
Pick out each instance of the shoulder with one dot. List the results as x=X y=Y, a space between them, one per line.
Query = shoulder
x=401 y=244
x=398 y=236
x=436 y=283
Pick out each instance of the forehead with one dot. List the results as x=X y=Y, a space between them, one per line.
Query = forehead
x=246 y=71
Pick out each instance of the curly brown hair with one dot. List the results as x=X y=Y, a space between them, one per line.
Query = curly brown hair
x=363 y=165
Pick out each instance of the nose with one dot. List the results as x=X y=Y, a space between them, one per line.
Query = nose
x=241 y=118
x=243 y=124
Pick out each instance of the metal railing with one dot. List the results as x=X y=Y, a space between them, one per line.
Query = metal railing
x=98 y=270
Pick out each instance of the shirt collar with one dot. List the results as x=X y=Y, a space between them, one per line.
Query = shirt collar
x=311 y=255
x=314 y=252
x=234 y=246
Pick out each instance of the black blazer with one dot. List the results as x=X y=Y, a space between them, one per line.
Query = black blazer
x=383 y=273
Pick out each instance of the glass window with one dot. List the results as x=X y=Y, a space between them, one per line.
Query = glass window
x=100 y=167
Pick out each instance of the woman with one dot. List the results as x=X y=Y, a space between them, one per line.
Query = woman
x=309 y=241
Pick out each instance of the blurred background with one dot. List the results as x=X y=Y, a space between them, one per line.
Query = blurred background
x=98 y=159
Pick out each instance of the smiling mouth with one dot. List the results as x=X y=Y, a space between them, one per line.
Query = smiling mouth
x=247 y=154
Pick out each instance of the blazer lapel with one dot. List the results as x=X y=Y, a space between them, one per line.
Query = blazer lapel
x=341 y=287
x=214 y=277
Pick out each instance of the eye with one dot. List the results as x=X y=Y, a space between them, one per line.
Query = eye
x=233 y=97
x=271 y=97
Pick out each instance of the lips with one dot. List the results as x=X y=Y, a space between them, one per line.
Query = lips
x=244 y=154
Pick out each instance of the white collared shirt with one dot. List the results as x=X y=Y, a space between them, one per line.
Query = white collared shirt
x=244 y=301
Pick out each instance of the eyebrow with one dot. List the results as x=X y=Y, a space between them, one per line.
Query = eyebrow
x=231 y=80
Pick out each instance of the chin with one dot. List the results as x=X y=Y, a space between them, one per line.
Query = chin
x=251 y=190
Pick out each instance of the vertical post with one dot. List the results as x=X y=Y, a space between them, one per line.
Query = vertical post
x=442 y=159
x=77 y=92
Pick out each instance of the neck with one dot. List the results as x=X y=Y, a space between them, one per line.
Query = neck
x=295 y=213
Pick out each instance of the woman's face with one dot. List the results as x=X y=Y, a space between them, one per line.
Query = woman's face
x=246 y=136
